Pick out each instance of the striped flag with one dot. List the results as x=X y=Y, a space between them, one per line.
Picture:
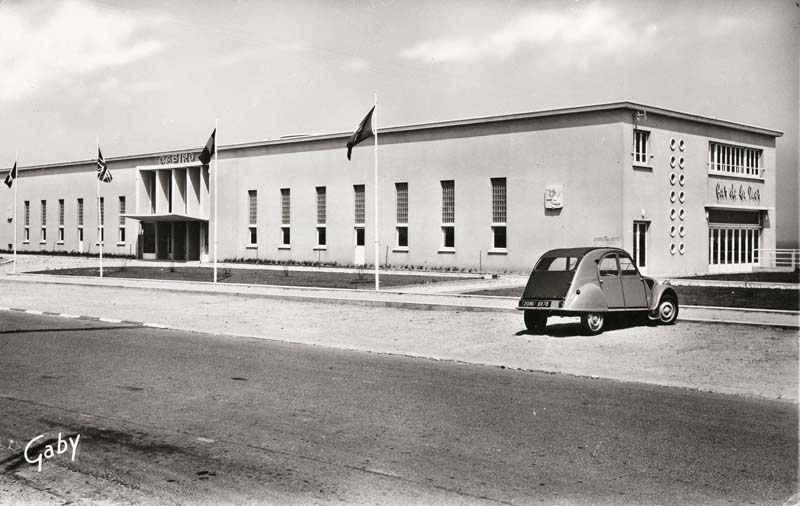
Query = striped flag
x=208 y=150
x=12 y=175
x=364 y=131
x=103 y=174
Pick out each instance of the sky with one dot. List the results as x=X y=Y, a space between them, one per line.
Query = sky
x=155 y=75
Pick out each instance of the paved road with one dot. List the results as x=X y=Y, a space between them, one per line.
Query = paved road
x=172 y=417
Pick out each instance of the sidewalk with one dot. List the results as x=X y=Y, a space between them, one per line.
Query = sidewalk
x=416 y=297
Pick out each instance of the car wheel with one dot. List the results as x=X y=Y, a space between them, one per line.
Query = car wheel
x=667 y=310
x=593 y=323
x=535 y=321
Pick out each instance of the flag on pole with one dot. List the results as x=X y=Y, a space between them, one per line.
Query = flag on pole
x=208 y=151
x=11 y=176
x=364 y=131
x=103 y=174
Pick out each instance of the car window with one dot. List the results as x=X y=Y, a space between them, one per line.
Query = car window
x=608 y=266
x=626 y=266
x=557 y=264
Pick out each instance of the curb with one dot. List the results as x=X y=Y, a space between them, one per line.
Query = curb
x=734 y=284
x=78 y=317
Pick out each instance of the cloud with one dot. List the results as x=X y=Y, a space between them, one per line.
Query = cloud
x=52 y=43
x=572 y=34
x=356 y=64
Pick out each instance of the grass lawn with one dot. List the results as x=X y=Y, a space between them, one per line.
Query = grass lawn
x=319 y=279
x=755 y=298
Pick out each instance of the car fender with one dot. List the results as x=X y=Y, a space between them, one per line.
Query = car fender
x=591 y=298
x=659 y=291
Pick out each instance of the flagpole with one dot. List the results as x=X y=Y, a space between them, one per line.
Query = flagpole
x=16 y=176
x=377 y=238
x=99 y=213
x=216 y=191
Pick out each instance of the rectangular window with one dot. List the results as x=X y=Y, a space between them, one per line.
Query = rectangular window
x=80 y=220
x=499 y=213
x=121 y=220
x=101 y=226
x=252 y=218
x=641 y=139
x=285 y=216
x=61 y=220
x=322 y=216
x=731 y=159
x=27 y=221
x=359 y=204
x=44 y=221
x=401 y=196
x=448 y=214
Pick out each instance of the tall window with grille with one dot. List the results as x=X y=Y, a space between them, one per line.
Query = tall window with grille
x=285 y=217
x=322 y=211
x=61 y=221
x=738 y=160
x=80 y=220
x=448 y=215
x=121 y=234
x=43 y=236
x=101 y=226
x=401 y=196
x=733 y=238
x=27 y=222
x=641 y=139
x=499 y=213
x=359 y=209
x=252 y=216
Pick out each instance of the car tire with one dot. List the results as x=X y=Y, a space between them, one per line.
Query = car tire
x=535 y=321
x=667 y=311
x=593 y=323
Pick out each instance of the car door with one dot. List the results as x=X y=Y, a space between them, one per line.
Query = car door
x=632 y=284
x=610 y=282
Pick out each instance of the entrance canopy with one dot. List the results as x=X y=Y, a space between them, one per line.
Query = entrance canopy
x=162 y=218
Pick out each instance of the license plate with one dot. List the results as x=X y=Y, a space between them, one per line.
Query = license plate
x=536 y=303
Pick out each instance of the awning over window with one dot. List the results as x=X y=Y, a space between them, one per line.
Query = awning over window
x=169 y=217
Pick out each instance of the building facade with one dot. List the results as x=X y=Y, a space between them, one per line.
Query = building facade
x=684 y=194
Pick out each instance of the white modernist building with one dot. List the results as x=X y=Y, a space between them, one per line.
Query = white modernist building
x=684 y=193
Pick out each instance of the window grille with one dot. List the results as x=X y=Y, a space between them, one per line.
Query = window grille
x=359 y=203
x=252 y=196
x=121 y=219
x=285 y=206
x=734 y=159
x=401 y=190
x=321 y=205
x=448 y=202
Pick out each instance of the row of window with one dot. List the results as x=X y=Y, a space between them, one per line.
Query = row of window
x=499 y=208
x=724 y=158
x=734 y=159
x=79 y=216
x=733 y=245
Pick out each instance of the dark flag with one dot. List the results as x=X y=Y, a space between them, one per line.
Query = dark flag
x=103 y=174
x=208 y=151
x=364 y=131
x=12 y=175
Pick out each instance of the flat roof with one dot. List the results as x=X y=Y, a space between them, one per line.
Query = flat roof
x=292 y=139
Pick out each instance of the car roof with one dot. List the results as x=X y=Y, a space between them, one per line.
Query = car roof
x=577 y=252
